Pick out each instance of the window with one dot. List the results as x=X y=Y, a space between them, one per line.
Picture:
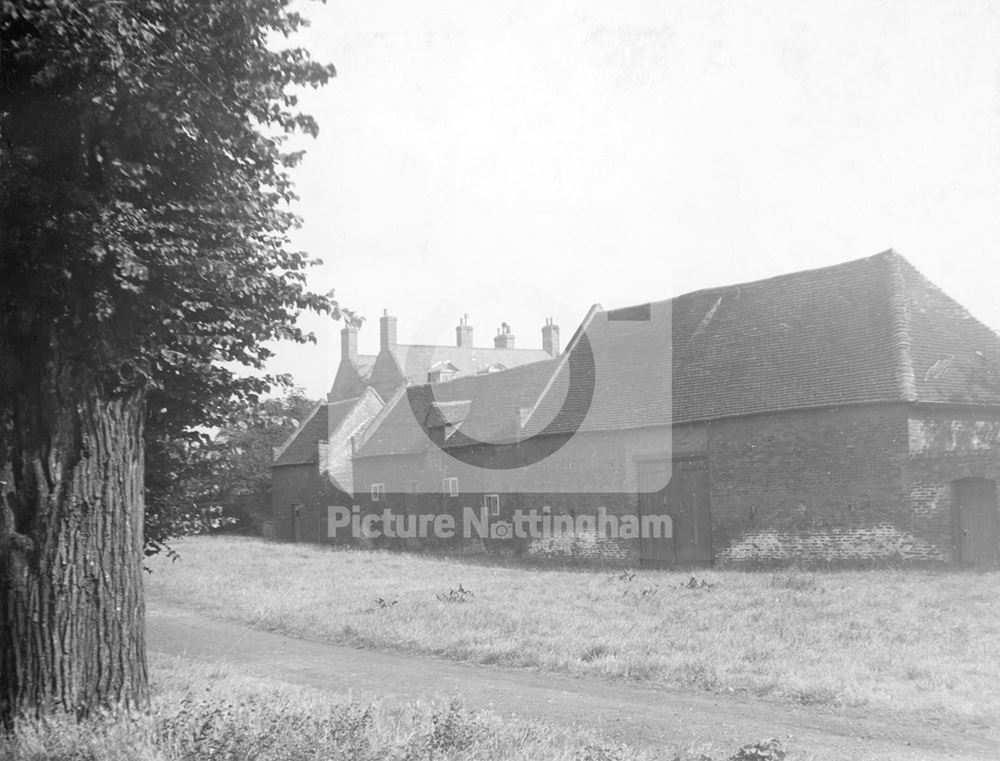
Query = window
x=378 y=492
x=492 y=503
x=449 y=486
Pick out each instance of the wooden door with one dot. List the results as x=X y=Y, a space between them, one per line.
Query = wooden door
x=296 y=523
x=654 y=551
x=975 y=518
x=687 y=503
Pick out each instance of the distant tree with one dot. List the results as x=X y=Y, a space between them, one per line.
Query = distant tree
x=199 y=481
x=246 y=447
x=145 y=210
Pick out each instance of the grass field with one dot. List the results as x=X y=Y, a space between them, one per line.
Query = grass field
x=922 y=643
x=203 y=713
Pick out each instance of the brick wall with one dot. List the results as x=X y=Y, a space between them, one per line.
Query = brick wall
x=945 y=446
x=301 y=485
x=851 y=485
x=602 y=465
x=822 y=486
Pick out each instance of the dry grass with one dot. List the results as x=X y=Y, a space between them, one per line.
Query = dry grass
x=918 y=642
x=202 y=713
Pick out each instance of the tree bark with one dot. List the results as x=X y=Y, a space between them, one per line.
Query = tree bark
x=71 y=604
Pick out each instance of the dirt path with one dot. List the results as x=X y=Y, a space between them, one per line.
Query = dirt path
x=641 y=716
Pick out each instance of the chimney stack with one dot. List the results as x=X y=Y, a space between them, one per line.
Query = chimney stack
x=504 y=339
x=550 y=337
x=387 y=333
x=463 y=333
x=349 y=344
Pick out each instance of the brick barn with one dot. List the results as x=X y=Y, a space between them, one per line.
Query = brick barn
x=849 y=414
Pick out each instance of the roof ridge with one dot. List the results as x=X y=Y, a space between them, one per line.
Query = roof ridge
x=342 y=423
x=470 y=348
x=339 y=402
x=387 y=406
x=563 y=359
x=899 y=314
x=887 y=254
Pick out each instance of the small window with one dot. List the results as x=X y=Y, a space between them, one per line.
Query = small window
x=449 y=486
x=414 y=487
x=378 y=492
x=492 y=503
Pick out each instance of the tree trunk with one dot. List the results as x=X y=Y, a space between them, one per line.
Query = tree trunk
x=72 y=618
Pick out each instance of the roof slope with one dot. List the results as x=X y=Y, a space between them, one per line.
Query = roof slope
x=410 y=364
x=866 y=331
x=497 y=398
x=954 y=357
x=303 y=448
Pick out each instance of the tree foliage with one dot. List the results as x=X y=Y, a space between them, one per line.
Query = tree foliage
x=146 y=199
x=146 y=205
x=206 y=480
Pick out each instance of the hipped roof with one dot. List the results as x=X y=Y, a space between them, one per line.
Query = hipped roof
x=867 y=331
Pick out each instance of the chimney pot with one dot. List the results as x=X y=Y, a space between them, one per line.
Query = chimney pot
x=504 y=339
x=349 y=344
x=463 y=333
x=387 y=331
x=550 y=337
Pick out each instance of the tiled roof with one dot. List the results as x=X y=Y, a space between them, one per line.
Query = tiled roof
x=415 y=360
x=870 y=330
x=497 y=398
x=952 y=357
x=303 y=448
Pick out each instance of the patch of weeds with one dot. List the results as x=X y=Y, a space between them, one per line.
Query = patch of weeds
x=349 y=632
x=641 y=671
x=382 y=604
x=625 y=575
x=457 y=595
x=694 y=583
x=255 y=728
x=595 y=651
x=452 y=730
x=817 y=695
x=641 y=594
x=765 y=750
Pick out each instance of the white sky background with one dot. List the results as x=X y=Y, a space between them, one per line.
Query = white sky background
x=521 y=160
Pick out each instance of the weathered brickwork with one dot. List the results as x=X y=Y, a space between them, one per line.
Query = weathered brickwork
x=813 y=486
x=883 y=543
x=858 y=484
x=588 y=546
x=848 y=485
x=946 y=446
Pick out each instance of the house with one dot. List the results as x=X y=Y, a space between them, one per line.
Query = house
x=313 y=469
x=849 y=414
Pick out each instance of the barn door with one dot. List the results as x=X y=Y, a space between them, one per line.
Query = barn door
x=654 y=551
x=687 y=502
x=976 y=540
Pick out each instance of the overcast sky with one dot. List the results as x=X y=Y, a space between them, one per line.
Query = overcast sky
x=523 y=160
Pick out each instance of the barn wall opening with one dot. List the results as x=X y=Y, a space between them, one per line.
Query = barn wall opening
x=975 y=522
